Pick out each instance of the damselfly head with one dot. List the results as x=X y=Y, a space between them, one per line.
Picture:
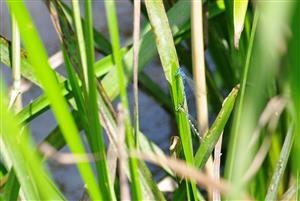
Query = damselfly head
x=182 y=72
x=179 y=71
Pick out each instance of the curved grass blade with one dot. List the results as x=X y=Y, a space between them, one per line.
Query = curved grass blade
x=281 y=164
x=211 y=138
x=42 y=70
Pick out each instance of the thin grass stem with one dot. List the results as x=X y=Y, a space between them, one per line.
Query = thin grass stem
x=136 y=44
x=114 y=35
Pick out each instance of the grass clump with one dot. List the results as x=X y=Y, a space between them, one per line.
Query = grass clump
x=245 y=66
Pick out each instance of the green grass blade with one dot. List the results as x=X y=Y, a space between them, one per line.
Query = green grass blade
x=104 y=65
x=264 y=62
x=94 y=123
x=26 y=66
x=12 y=187
x=178 y=15
x=236 y=57
x=114 y=35
x=17 y=151
x=80 y=41
x=294 y=84
x=170 y=64
x=281 y=164
x=89 y=114
x=238 y=111
x=76 y=90
x=239 y=13
x=42 y=70
x=150 y=192
x=100 y=42
x=209 y=141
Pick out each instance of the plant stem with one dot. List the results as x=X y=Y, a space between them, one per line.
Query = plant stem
x=114 y=35
x=199 y=77
x=136 y=44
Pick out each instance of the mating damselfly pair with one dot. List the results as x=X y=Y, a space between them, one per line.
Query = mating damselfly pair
x=190 y=93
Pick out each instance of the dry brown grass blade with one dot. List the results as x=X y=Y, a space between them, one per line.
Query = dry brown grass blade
x=217 y=162
x=199 y=77
x=258 y=159
x=199 y=66
x=109 y=128
x=106 y=98
x=290 y=194
x=270 y=114
x=180 y=167
x=65 y=158
x=124 y=188
x=189 y=172
x=56 y=60
x=112 y=154
x=136 y=44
